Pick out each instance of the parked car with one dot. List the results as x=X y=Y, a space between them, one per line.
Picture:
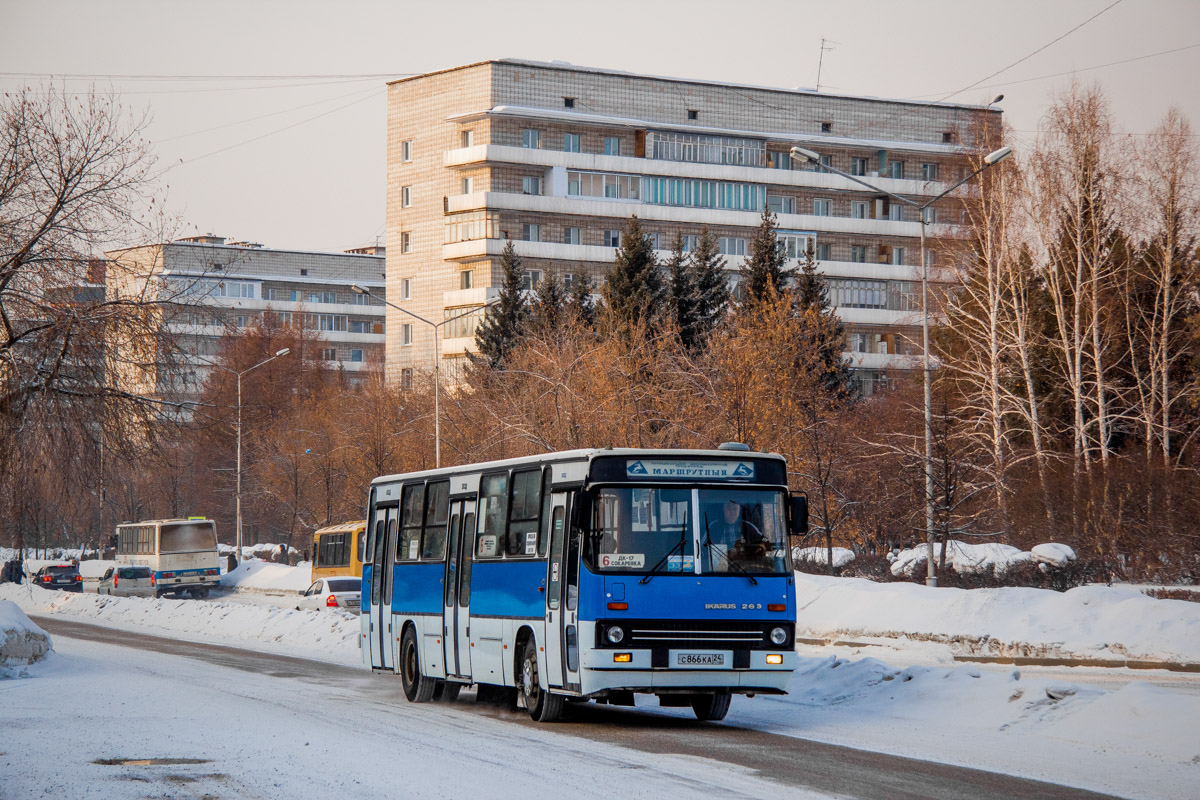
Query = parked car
x=127 y=582
x=343 y=591
x=59 y=576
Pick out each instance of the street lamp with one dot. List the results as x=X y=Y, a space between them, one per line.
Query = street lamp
x=278 y=353
x=991 y=159
x=437 y=362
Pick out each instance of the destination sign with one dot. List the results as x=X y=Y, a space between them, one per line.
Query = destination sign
x=690 y=470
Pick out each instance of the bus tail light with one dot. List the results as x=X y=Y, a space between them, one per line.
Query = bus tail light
x=776 y=607
x=618 y=606
x=168 y=574
x=331 y=602
x=211 y=571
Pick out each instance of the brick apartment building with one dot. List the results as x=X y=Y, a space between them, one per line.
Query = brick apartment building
x=558 y=158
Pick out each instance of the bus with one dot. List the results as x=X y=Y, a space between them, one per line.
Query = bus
x=586 y=575
x=181 y=553
x=339 y=549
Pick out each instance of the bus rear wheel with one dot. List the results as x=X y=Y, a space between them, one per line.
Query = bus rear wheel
x=417 y=687
x=543 y=706
x=711 y=707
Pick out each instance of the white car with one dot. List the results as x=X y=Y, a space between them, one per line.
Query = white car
x=341 y=591
x=127 y=582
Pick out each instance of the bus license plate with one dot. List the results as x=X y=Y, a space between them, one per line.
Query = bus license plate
x=700 y=659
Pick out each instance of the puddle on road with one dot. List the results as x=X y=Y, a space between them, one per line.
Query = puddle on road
x=148 y=762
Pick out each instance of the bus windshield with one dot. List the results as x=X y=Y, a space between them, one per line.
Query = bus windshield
x=651 y=530
x=187 y=537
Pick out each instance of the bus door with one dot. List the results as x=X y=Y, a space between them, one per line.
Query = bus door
x=450 y=589
x=457 y=624
x=381 y=589
x=562 y=596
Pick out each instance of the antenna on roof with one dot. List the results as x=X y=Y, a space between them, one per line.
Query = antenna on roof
x=821 y=59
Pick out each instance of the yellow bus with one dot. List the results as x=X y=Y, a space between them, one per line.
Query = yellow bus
x=339 y=549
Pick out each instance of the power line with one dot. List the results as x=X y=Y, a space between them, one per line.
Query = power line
x=263 y=116
x=165 y=77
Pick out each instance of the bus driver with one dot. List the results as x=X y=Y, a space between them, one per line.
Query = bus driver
x=732 y=531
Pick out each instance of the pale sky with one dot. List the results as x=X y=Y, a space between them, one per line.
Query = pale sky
x=297 y=161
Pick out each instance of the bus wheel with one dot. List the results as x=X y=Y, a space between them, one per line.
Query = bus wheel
x=711 y=707
x=417 y=688
x=543 y=706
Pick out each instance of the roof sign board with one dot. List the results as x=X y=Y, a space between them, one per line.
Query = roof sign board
x=690 y=470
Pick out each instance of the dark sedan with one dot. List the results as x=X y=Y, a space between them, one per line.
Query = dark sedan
x=59 y=576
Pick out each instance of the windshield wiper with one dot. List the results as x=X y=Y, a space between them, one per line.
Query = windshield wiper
x=654 y=570
x=725 y=555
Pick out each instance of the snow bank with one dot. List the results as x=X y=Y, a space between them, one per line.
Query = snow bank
x=1057 y=555
x=1102 y=622
x=967 y=559
x=264 y=576
x=330 y=634
x=21 y=641
x=841 y=555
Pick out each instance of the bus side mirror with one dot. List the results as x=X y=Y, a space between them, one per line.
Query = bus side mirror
x=799 y=503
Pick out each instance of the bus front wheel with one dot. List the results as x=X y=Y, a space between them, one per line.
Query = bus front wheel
x=417 y=687
x=543 y=706
x=711 y=707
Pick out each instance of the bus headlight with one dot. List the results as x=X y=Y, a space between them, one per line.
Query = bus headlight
x=778 y=635
x=615 y=634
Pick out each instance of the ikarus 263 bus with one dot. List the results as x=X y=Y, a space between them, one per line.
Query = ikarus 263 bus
x=181 y=553
x=586 y=575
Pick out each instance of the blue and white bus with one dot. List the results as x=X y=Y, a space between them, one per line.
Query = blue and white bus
x=181 y=553
x=588 y=574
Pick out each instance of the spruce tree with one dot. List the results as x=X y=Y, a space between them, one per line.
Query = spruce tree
x=548 y=307
x=766 y=271
x=635 y=290
x=825 y=329
x=712 y=286
x=683 y=299
x=579 y=298
x=505 y=321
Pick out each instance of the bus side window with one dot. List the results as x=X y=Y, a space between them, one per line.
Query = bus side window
x=523 y=513
x=360 y=539
x=493 y=495
x=437 y=504
x=411 y=508
x=544 y=525
x=464 y=590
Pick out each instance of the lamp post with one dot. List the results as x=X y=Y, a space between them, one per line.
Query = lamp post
x=278 y=353
x=437 y=363
x=991 y=159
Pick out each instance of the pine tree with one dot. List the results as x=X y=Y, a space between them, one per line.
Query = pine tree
x=712 y=287
x=766 y=271
x=548 y=308
x=635 y=291
x=683 y=297
x=579 y=298
x=505 y=322
x=825 y=330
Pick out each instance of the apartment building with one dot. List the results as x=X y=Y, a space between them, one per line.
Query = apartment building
x=218 y=287
x=558 y=157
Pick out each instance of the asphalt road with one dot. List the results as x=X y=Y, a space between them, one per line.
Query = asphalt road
x=785 y=760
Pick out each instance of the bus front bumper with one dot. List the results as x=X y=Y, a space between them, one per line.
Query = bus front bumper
x=603 y=670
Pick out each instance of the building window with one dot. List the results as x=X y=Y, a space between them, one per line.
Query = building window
x=406 y=334
x=406 y=378
x=693 y=114
x=531 y=185
x=360 y=300
x=569 y=102
x=930 y=215
x=779 y=160
x=612 y=145
x=858 y=253
x=303 y=272
x=462 y=322
x=571 y=142
x=822 y=207
x=406 y=289
x=705 y=149
x=570 y=235
x=858 y=166
x=826 y=127
x=655 y=240
x=356 y=355
x=896 y=212
x=823 y=252
x=601 y=184
x=531 y=232
x=405 y=242
x=468 y=185
x=947 y=137
x=329 y=354
x=530 y=279
x=466 y=279
x=781 y=204
x=929 y=172
x=895 y=169
x=360 y=326
x=328 y=322
x=323 y=297
x=690 y=242
x=531 y=138
x=898 y=256
x=241 y=320
x=290 y=295
x=823 y=164
x=406 y=150
x=733 y=246
x=612 y=238
x=468 y=138
x=858 y=209
x=405 y=196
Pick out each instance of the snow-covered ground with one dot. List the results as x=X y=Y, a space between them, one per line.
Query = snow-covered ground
x=1132 y=739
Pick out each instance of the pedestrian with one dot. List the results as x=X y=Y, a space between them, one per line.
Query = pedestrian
x=231 y=563
x=19 y=577
x=6 y=571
